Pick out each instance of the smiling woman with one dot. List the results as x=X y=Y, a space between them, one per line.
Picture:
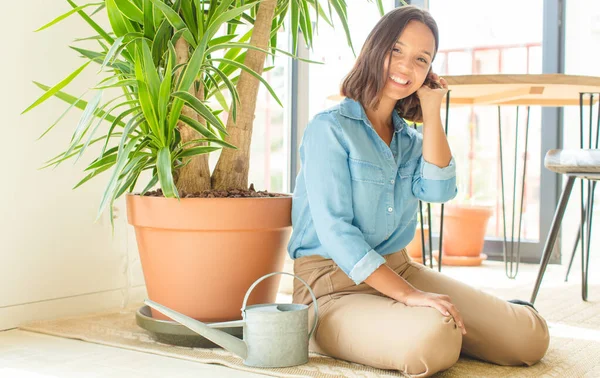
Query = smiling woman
x=353 y=213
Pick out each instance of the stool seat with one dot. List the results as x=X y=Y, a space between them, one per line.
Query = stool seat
x=573 y=161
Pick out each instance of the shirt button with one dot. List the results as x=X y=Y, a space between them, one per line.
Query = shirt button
x=392 y=182
x=390 y=209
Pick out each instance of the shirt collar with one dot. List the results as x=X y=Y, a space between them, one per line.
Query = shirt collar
x=353 y=109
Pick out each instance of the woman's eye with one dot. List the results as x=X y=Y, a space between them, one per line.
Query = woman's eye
x=423 y=60
x=396 y=50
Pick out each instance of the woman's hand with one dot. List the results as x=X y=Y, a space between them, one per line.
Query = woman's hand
x=431 y=98
x=440 y=302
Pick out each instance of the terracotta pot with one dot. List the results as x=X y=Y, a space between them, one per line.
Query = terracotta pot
x=414 y=248
x=200 y=255
x=464 y=230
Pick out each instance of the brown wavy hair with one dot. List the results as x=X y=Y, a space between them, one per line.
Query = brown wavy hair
x=366 y=80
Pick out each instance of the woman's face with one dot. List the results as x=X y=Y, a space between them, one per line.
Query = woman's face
x=411 y=59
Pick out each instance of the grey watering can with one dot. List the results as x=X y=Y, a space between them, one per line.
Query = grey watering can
x=275 y=335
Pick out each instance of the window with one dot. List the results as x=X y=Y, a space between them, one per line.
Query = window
x=331 y=49
x=489 y=44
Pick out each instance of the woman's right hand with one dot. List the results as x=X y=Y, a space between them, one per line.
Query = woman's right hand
x=440 y=302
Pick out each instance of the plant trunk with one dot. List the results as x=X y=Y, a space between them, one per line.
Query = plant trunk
x=195 y=175
x=232 y=168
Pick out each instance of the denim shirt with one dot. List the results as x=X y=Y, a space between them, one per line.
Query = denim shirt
x=356 y=198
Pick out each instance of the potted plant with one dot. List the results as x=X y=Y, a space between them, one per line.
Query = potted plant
x=415 y=247
x=465 y=224
x=201 y=245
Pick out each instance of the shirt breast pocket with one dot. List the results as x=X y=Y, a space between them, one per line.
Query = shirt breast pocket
x=367 y=188
x=406 y=174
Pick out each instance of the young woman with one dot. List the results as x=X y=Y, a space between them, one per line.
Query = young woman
x=354 y=206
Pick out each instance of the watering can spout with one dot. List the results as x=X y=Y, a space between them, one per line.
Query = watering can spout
x=227 y=341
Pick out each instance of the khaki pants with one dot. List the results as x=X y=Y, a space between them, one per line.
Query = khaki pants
x=359 y=324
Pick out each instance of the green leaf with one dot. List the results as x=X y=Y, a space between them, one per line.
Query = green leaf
x=231 y=87
x=91 y=22
x=99 y=122
x=196 y=125
x=210 y=140
x=163 y=34
x=294 y=20
x=164 y=95
x=175 y=20
x=52 y=91
x=131 y=11
x=120 y=25
x=189 y=17
x=380 y=7
x=219 y=94
x=97 y=57
x=92 y=38
x=122 y=159
x=120 y=83
x=61 y=116
x=117 y=121
x=198 y=151
x=238 y=45
x=105 y=160
x=60 y=157
x=222 y=39
x=306 y=23
x=137 y=164
x=253 y=73
x=171 y=15
x=201 y=109
x=93 y=174
x=165 y=174
x=101 y=7
x=340 y=9
x=224 y=17
x=320 y=12
x=148 y=10
x=199 y=16
x=77 y=102
x=151 y=184
x=145 y=98
x=84 y=121
x=151 y=74
x=65 y=15
x=113 y=49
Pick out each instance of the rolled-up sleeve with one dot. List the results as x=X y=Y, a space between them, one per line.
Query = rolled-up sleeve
x=328 y=186
x=434 y=184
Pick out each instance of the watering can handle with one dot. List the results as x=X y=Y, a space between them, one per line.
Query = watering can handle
x=296 y=277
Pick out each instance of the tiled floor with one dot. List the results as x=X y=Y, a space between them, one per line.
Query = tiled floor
x=30 y=355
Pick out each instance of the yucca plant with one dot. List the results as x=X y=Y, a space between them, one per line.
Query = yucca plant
x=168 y=59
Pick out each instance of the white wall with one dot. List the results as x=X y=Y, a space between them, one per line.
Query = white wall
x=54 y=259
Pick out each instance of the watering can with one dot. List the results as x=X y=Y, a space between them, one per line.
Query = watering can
x=275 y=335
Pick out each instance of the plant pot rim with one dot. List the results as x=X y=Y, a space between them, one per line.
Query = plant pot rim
x=156 y=198
x=468 y=206
x=209 y=214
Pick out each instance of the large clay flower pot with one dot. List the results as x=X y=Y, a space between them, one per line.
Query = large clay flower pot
x=414 y=248
x=464 y=234
x=200 y=255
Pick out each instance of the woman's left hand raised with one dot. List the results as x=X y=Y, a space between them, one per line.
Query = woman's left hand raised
x=430 y=97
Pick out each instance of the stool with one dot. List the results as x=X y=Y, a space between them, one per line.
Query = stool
x=577 y=163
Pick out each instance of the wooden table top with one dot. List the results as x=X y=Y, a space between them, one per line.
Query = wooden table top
x=528 y=89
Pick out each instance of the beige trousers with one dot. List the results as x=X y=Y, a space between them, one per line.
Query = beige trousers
x=359 y=324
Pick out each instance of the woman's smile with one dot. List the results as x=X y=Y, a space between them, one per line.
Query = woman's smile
x=400 y=80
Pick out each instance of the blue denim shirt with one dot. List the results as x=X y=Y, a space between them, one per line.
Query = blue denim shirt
x=356 y=198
